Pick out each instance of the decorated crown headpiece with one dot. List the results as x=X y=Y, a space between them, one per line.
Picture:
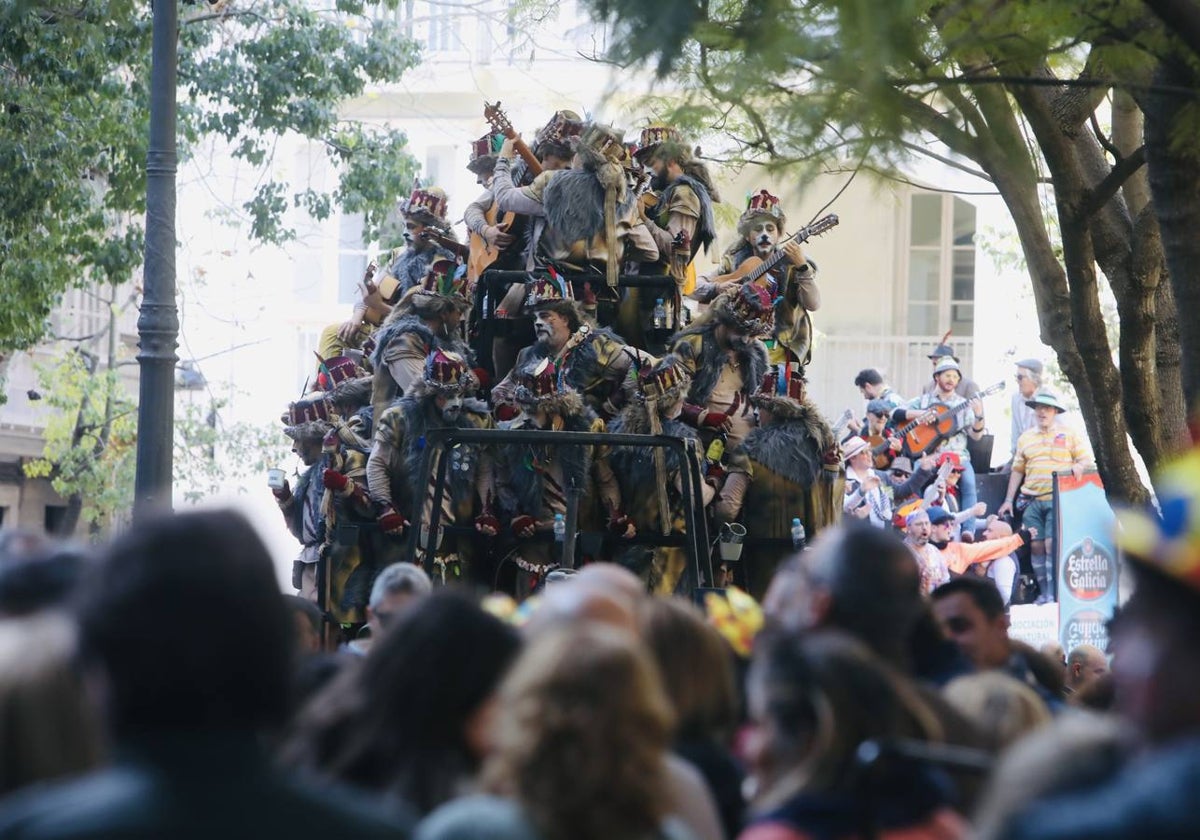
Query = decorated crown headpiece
x=664 y=381
x=783 y=381
x=445 y=278
x=488 y=144
x=654 y=134
x=334 y=371
x=427 y=204
x=749 y=309
x=563 y=125
x=605 y=141
x=449 y=373
x=549 y=289
x=762 y=203
x=537 y=383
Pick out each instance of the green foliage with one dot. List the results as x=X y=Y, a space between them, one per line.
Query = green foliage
x=74 y=112
x=91 y=438
x=210 y=455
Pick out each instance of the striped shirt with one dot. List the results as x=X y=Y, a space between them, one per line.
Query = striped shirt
x=1041 y=454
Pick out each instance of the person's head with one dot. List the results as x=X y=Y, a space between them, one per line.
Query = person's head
x=946 y=375
x=854 y=578
x=762 y=224
x=581 y=733
x=900 y=470
x=553 y=324
x=424 y=210
x=972 y=615
x=1085 y=663
x=1053 y=651
x=49 y=729
x=183 y=624
x=1002 y=708
x=941 y=525
x=857 y=455
x=413 y=719
x=306 y=620
x=1046 y=408
x=870 y=383
x=878 y=413
x=36 y=573
x=396 y=587
x=696 y=666
x=1029 y=377
x=812 y=699
x=917 y=528
x=997 y=529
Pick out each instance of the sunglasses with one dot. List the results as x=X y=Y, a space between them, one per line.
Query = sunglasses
x=901 y=473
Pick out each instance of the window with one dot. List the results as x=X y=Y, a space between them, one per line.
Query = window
x=54 y=518
x=352 y=256
x=941 y=266
x=443 y=26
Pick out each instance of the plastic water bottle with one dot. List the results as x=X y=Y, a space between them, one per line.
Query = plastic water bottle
x=660 y=315
x=798 y=535
x=560 y=528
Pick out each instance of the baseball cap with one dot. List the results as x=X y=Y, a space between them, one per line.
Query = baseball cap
x=938 y=515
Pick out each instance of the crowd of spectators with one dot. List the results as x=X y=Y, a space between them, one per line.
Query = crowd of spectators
x=163 y=687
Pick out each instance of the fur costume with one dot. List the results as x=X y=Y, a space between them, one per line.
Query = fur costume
x=790 y=475
x=520 y=481
x=634 y=466
x=595 y=368
x=706 y=224
x=697 y=347
x=412 y=264
x=397 y=328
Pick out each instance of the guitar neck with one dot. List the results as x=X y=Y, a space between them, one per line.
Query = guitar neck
x=953 y=412
x=771 y=261
x=535 y=165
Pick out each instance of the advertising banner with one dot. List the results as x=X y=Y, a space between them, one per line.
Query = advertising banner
x=1086 y=560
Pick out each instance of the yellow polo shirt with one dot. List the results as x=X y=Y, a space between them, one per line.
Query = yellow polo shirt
x=1041 y=454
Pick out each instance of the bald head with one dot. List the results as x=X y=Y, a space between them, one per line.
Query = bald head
x=997 y=529
x=613 y=580
x=1085 y=663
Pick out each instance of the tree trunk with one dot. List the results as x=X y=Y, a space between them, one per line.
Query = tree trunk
x=1174 y=173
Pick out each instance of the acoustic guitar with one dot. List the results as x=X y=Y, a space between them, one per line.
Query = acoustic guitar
x=752 y=268
x=920 y=438
x=481 y=254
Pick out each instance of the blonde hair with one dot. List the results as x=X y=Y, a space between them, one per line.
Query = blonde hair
x=1002 y=707
x=47 y=730
x=581 y=736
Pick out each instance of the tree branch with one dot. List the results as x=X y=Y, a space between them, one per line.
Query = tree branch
x=1099 y=195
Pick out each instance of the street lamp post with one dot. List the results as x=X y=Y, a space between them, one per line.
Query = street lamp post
x=158 y=321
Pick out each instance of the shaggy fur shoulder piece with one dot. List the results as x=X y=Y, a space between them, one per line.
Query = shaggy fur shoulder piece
x=574 y=204
x=706 y=225
x=520 y=485
x=793 y=449
x=752 y=360
x=392 y=330
x=634 y=465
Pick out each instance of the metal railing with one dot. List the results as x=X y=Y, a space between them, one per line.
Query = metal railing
x=694 y=540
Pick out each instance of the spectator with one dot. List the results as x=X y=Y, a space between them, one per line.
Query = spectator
x=1073 y=752
x=1155 y=641
x=1085 y=664
x=864 y=496
x=47 y=729
x=814 y=699
x=410 y=723
x=1004 y=570
x=958 y=556
x=187 y=697
x=306 y=618
x=871 y=384
x=972 y=614
x=999 y=705
x=581 y=735
x=35 y=573
x=696 y=665
x=395 y=587
x=1029 y=379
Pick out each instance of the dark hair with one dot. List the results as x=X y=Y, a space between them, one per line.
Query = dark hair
x=396 y=723
x=868 y=376
x=184 y=615
x=980 y=590
x=36 y=574
x=875 y=586
x=568 y=309
x=306 y=608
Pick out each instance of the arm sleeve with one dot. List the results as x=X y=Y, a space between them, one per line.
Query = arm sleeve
x=511 y=198
x=474 y=216
x=968 y=554
x=802 y=288
x=640 y=245
x=729 y=502
x=378 y=483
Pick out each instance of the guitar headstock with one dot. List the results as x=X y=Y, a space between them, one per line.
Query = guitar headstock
x=820 y=226
x=992 y=389
x=497 y=119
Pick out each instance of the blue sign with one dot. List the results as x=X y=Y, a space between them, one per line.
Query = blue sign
x=1086 y=561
